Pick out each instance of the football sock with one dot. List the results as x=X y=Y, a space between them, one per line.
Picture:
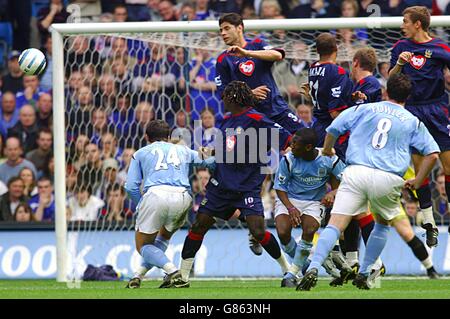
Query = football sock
x=192 y=244
x=326 y=242
x=270 y=244
x=366 y=224
x=342 y=246
x=424 y=195
x=352 y=258
x=351 y=241
x=301 y=254
x=447 y=186
x=162 y=244
x=420 y=252
x=186 y=267
x=375 y=246
x=290 y=247
x=155 y=256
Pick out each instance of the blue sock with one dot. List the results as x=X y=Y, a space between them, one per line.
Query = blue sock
x=302 y=253
x=375 y=245
x=154 y=256
x=326 y=242
x=290 y=247
x=162 y=244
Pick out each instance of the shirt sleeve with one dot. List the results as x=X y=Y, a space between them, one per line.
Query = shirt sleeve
x=134 y=180
x=337 y=168
x=394 y=55
x=209 y=163
x=344 y=121
x=263 y=45
x=340 y=93
x=284 y=136
x=223 y=76
x=422 y=140
x=282 y=176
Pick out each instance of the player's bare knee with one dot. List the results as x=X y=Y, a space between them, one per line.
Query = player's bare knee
x=284 y=234
x=308 y=232
x=258 y=233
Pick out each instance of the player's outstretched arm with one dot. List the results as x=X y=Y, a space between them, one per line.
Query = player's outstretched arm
x=403 y=58
x=265 y=55
x=425 y=168
x=328 y=149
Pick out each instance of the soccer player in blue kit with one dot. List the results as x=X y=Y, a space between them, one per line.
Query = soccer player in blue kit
x=237 y=184
x=423 y=58
x=378 y=156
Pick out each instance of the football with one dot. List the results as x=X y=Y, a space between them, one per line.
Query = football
x=32 y=61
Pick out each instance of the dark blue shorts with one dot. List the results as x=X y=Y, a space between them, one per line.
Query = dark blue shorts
x=341 y=143
x=288 y=120
x=222 y=204
x=435 y=119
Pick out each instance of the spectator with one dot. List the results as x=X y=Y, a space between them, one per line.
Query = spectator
x=54 y=13
x=350 y=9
x=109 y=177
x=98 y=125
x=305 y=113
x=167 y=11
x=123 y=116
x=383 y=73
x=203 y=88
x=74 y=83
x=116 y=204
x=80 y=114
x=31 y=93
x=270 y=9
x=29 y=181
x=89 y=76
x=40 y=156
x=10 y=200
x=23 y=214
x=14 y=162
x=91 y=173
x=43 y=204
x=125 y=164
x=13 y=80
x=187 y=12
x=202 y=12
x=248 y=12
x=153 y=10
x=47 y=75
x=208 y=125
x=84 y=206
x=122 y=75
x=44 y=111
x=9 y=114
x=80 y=54
x=110 y=149
x=181 y=133
x=4 y=188
x=412 y=210
x=78 y=154
x=440 y=202
x=50 y=170
x=119 y=51
x=136 y=135
x=107 y=95
x=201 y=179
x=309 y=9
x=26 y=129
x=120 y=13
x=137 y=10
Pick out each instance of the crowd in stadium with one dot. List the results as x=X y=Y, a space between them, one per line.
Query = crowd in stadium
x=115 y=86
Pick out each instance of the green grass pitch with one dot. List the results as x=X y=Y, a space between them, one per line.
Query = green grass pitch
x=225 y=289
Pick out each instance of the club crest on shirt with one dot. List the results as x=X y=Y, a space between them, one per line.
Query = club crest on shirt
x=428 y=53
x=247 y=68
x=230 y=142
x=418 y=61
x=322 y=172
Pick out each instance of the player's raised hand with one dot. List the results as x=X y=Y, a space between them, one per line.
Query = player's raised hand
x=205 y=152
x=261 y=92
x=295 y=215
x=237 y=51
x=304 y=90
x=331 y=152
x=358 y=95
x=404 y=57
x=412 y=184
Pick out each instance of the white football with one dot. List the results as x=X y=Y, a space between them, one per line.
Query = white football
x=32 y=61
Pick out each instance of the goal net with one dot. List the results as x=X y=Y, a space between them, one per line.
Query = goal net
x=118 y=77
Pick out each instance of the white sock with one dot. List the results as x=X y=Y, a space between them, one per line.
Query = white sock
x=140 y=273
x=428 y=216
x=185 y=268
x=427 y=263
x=283 y=263
x=169 y=268
x=352 y=258
x=377 y=264
x=294 y=269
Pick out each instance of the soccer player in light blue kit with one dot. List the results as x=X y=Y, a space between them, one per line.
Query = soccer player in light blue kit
x=378 y=155
x=162 y=168
x=301 y=185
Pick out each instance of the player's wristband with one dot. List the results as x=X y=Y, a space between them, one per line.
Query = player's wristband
x=291 y=209
x=401 y=64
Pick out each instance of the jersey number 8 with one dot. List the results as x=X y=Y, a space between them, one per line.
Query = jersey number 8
x=380 y=137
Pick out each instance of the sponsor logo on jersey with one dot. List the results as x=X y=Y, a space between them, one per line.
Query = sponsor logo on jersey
x=336 y=92
x=281 y=178
x=218 y=80
x=204 y=201
x=247 y=68
x=230 y=142
x=418 y=61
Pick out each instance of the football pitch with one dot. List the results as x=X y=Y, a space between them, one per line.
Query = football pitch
x=390 y=288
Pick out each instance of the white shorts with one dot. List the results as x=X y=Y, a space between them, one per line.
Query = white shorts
x=163 y=205
x=362 y=186
x=307 y=207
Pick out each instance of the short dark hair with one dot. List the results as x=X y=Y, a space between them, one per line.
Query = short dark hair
x=367 y=58
x=399 y=87
x=307 y=136
x=120 y=5
x=157 y=130
x=239 y=93
x=232 y=18
x=326 y=44
x=419 y=13
x=13 y=180
x=115 y=187
x=45 y=179
x=45 y=130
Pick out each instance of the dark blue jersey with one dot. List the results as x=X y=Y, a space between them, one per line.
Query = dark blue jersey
x=330 y=88
x=371 y=87
x=426 y=69
x=237 y=168
x=254 y=72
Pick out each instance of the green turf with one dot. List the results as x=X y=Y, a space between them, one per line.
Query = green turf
x=236 y=289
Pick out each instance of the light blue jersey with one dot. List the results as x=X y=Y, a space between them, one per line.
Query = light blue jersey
x=161 y=163
x=382 y=135
x=306 y=180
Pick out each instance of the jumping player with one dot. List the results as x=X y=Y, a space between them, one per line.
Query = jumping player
x=424 y=58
